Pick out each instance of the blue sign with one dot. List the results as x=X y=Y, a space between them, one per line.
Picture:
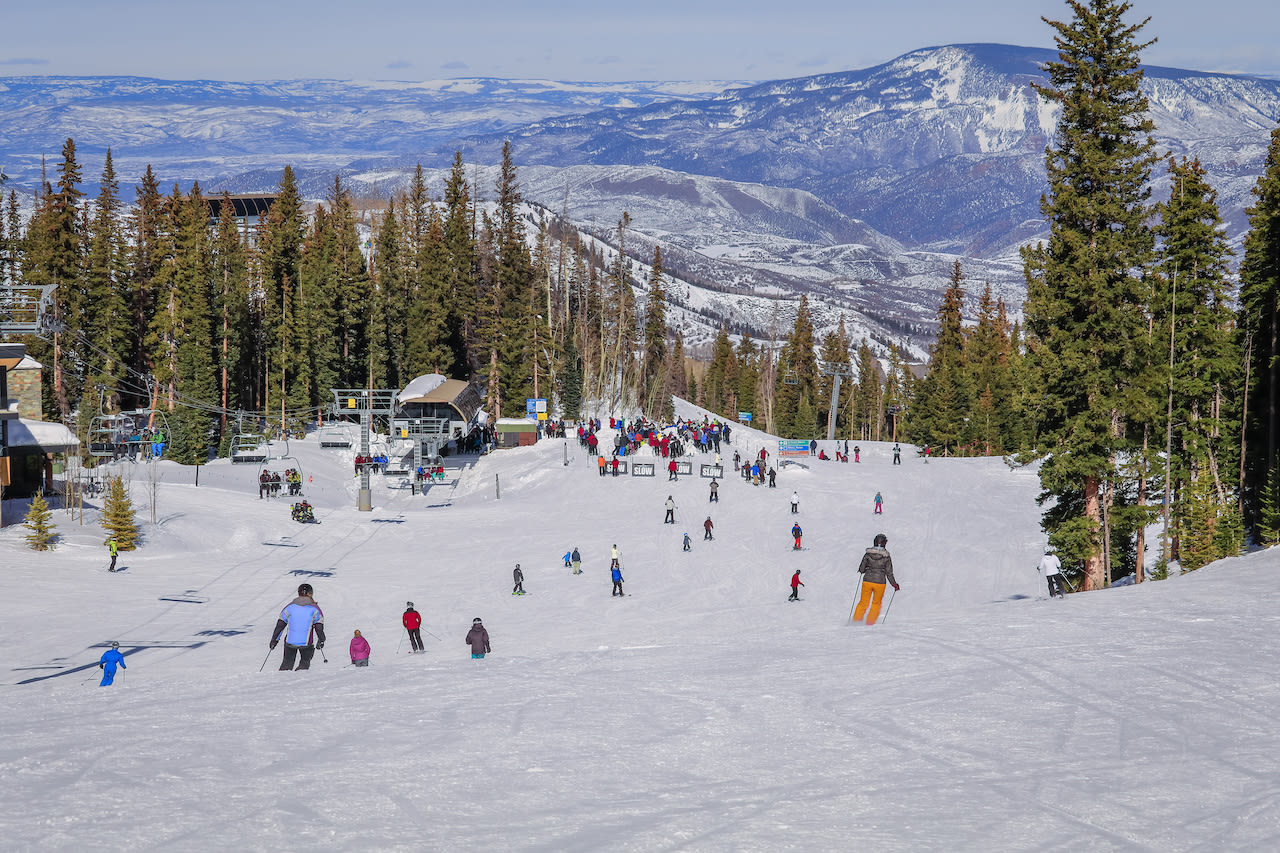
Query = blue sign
x=744 y=417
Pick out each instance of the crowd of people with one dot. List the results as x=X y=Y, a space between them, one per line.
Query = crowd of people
x=270 y=482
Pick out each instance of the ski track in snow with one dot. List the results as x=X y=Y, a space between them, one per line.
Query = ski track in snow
x=703 y=713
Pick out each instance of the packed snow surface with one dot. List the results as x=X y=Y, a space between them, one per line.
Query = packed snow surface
x=702 y=712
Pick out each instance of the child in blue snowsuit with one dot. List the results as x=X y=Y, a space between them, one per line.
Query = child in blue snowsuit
x=617 y=580
x=111 y=658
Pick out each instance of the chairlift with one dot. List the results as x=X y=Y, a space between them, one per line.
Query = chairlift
x=249 y=447
x=790 y=378
x=150 y=433
x=281 y=466
x=335 y=436
x=108 y=434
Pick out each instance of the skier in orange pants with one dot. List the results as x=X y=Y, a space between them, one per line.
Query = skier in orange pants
x=876 y=569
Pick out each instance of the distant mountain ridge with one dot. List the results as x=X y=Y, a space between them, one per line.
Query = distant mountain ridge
x=859 y=187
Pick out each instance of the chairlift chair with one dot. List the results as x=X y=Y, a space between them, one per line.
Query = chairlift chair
x=144 y=420
x=249 y=447
x=107 y=436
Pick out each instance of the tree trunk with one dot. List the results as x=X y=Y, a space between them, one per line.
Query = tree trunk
x=1093 y=570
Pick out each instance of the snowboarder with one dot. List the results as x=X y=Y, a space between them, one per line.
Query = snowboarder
x=478 y=639
x=897 y=454
x=857 y=452
x=359 y=650
x=110 y=659
x=707 y=526
x=518 y=577
x=715 y=492
x=795 y=586
x=614 y=558
x=879 y=505
x=576 y=560
x=616 y=573
x=671 y=511
x=300 y=620
x=795 y=503
x=412 y=621
x=687 y=547
x=796 y=533
x=876 y=569
x=1051 y=566
x=114 y=551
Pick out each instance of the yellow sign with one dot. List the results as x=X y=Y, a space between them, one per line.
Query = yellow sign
x=351 y=402
x=404 y=433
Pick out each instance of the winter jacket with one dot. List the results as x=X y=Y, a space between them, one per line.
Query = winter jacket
x=577 y=558
x=877 y=567
x=795 y=581
x=412 y=620
x=517 y=575
x=671 y=504
x=110 y=659
x=796 y=531
x=359 y=648
x=617 y=575
x=303 y=618
x=707 y=525
x=478 y=638
x=1050 y=565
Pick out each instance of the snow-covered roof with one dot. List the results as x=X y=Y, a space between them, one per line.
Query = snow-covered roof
x=45 y=435
x=422 y=386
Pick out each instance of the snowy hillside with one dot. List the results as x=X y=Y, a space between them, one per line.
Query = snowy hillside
x=703 y=712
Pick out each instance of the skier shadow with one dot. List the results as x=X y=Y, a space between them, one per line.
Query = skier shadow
x=399 y=520
x=133 y=649
x=314 y=573
x=1017 y=596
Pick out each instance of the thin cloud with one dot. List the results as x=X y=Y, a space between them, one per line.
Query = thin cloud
x=455 y=65
x=24 y=60
x=399 y=63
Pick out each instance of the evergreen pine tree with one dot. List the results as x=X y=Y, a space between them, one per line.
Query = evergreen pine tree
x=1086 y=301
x=655 y=358
x=118 y=515
x=1259 y=323
x=230 y=307
x=798 y=371
x=944 y=399
x=39 y=520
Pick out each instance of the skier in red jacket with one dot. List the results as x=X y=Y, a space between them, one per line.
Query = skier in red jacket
x=412 y=620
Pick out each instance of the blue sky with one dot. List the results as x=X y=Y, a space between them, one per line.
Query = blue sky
x=575 y=40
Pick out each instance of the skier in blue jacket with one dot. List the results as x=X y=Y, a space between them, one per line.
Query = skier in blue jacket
x=111 y=658
x=617 y=580
x=300 y=620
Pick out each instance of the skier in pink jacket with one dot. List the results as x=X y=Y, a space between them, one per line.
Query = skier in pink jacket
x=359 y=650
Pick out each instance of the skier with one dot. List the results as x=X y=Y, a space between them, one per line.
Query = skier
x=772 y=476
x=897 y=454
x=795 y=586
x=796 y=532
x=110 y=659
x=299 y=621
x=857 y=452
x=412 y=621
x=478 y=639
x=518 y=576
x=926 y=454
x=813 y=447
x=577 y=562
x=795 y=503
x=616 y=573
x=615 y=557
x=672 y=471
x=568 y=559
x=1051 y=566
x=359 y=650
x=879 y=505
x=715 y=492
x=876 y=569
x=686 y=543
x=737 y=459
x=671 y=511
x=707 y=526
x=114 y=551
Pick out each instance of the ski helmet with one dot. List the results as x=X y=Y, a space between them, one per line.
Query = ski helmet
x=409 y=605
x=305 y=589
x=517 y=565
x=475 y=620
x=115 y=644
x=881 y=540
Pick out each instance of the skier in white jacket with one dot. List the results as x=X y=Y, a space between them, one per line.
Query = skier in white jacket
x=1051 y=568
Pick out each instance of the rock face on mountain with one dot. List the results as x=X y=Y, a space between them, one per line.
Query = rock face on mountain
x=859 y=187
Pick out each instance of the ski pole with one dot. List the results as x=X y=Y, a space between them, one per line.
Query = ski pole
x=401 y=643
x=433 y=635
x=320 y=649
x=887 y=607
x=853 y=604
x=264 y=660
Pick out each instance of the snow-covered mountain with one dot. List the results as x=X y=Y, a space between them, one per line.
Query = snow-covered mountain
x=860 y=188
x=703 y=712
